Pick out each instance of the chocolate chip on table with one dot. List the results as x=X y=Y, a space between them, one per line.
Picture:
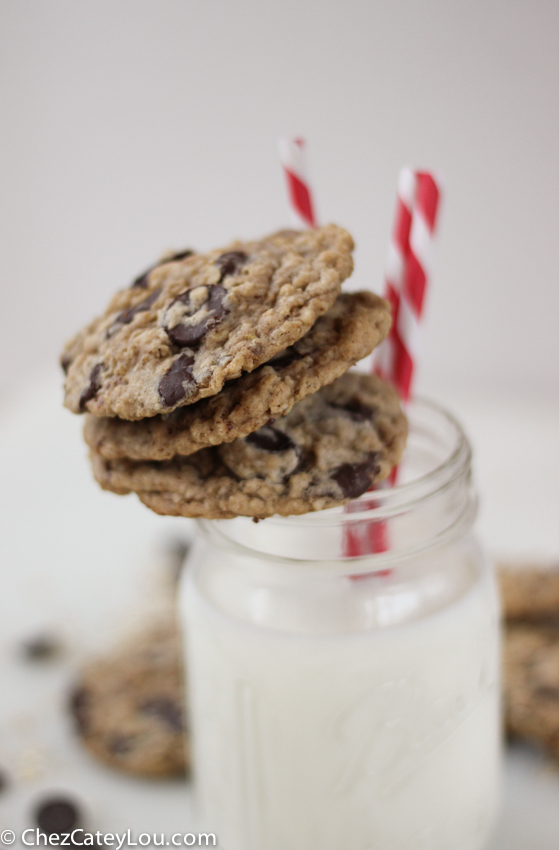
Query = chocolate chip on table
x=41 y=648
x=126 y=316
x=231 y=262
x=271 y=439
x=172 y=385
x=191 y=334
x=164 y=709
x=4 y=782
x=142 y=281
x=92 y=388
x=57 y=815
x=354 y=479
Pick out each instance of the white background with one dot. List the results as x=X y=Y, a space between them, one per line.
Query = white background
x=133 y=126
x=129 y=127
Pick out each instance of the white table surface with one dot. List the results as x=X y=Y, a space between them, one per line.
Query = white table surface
x=83 y=564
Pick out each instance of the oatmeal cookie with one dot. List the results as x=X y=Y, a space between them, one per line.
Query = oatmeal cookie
x=191 y=324
x=349 y=331
x=531 y=684
x=529 y=591
x=129 y=706
x=329 y=449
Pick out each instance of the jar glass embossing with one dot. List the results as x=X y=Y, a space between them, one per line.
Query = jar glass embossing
x=340 y=701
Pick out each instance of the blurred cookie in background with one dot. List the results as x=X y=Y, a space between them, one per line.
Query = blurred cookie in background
x=128 y=706
x=530 y=598
x=531 y=684
x=529 y=591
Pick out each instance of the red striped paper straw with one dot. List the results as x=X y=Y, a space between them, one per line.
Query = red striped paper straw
x=386 y=355
x=407 y=275
x=357 y=539
x=292 y=158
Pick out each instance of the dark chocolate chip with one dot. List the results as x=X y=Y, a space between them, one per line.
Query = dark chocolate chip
x=271 y=439
x=79 y=704
x=126 y=316
x=358 y=411
x=184 y=334
x=356 y=478
x=4 y=781
x=286 y=358
x=172 y=385
x=41 y=648
x=215 y=302
x=548 y=692
x=226 y=470
x=119 y=745
x=307 y=459
x=65 y=362
x=57 y=815
x=142 y=281
x=92 y=388
x=164 y=709
x=230 y=262
x=187 y=334
x=181 y=255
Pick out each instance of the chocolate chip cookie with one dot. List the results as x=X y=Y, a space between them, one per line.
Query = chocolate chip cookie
x=329 y=449
x=349 y=331
x=192 y=323
x=129 y=706
x=529 y=591
x=531 y=680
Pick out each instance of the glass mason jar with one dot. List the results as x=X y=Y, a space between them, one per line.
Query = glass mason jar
x=343 y=666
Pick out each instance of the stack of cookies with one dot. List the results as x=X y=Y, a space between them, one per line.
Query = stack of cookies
x=217 y=384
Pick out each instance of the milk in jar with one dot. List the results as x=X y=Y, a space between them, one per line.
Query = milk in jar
x=341 y=703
